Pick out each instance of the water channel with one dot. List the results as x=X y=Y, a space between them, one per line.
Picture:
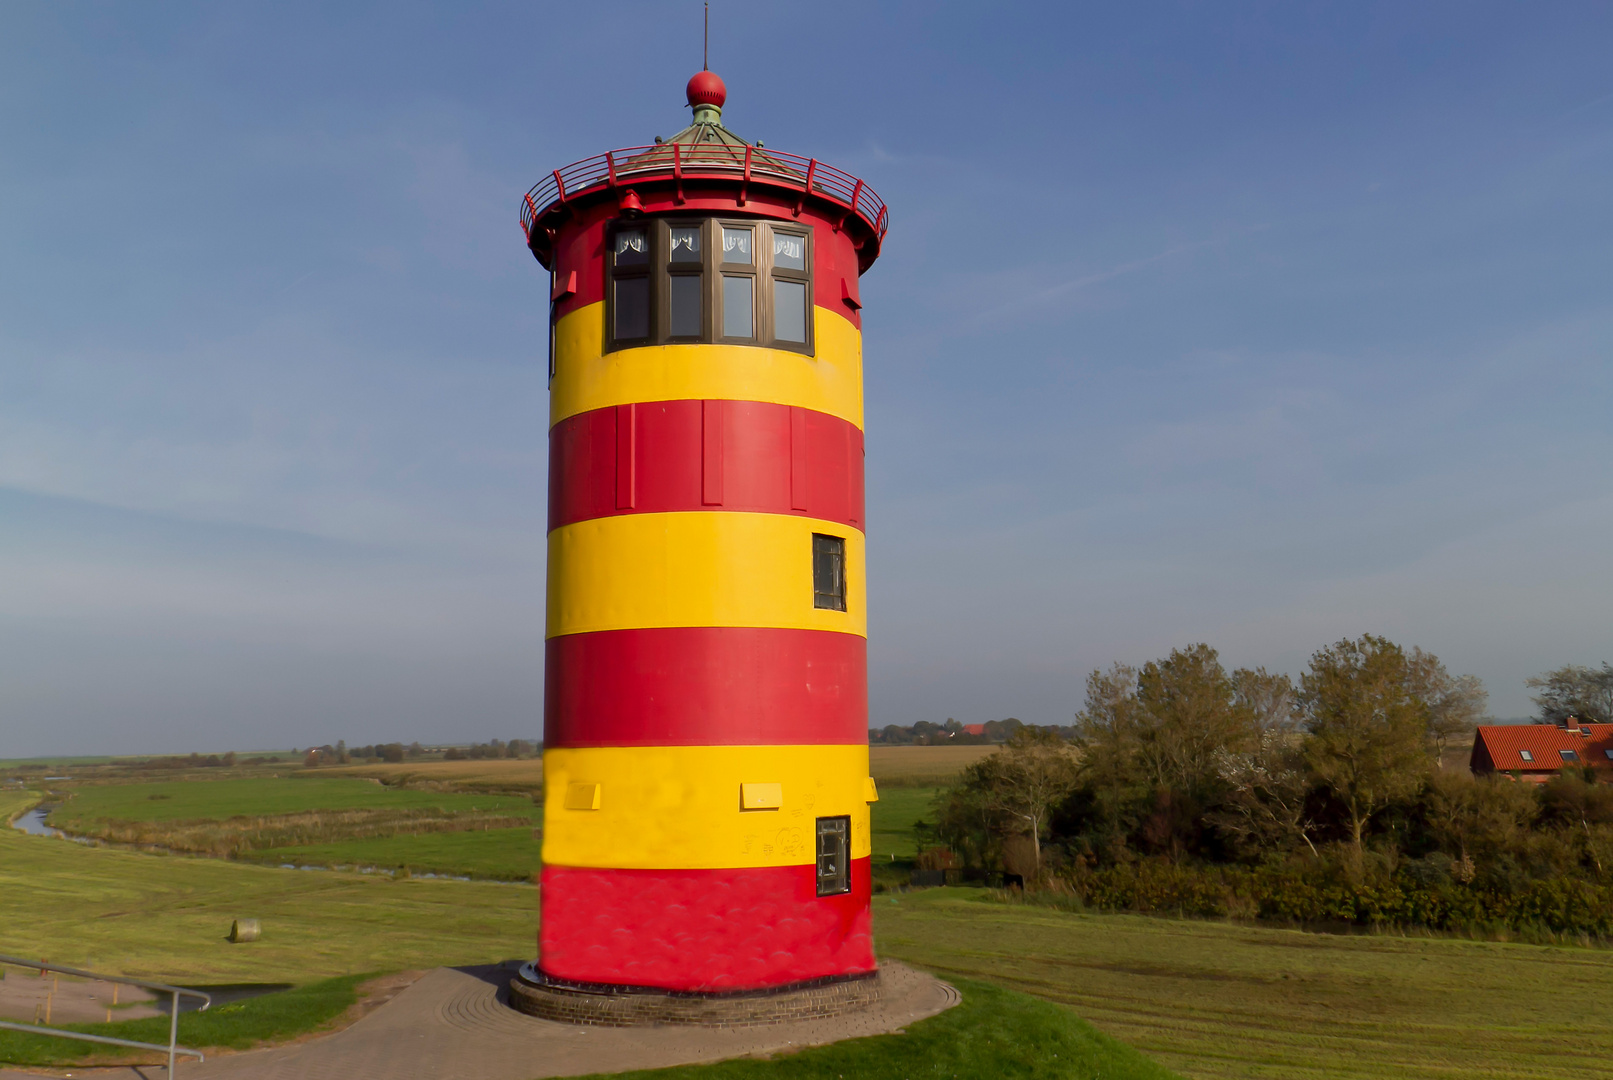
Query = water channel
x=33 y=822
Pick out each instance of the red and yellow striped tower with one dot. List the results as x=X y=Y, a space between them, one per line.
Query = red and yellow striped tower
x=706 y=819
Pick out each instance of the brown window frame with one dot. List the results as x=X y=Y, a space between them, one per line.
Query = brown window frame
x=840 y=595
x=660 y=270
x=615 y=274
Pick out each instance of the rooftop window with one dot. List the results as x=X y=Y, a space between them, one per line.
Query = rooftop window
x=1569 y=755
x=1526 y=755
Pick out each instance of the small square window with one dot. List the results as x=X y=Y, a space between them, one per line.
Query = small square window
x=1569 y=755
x=685 y=243
x=632 y=248
x=1526 y=755
x=736 y=246
x=828 y=572
x=834 y=855
x=1609 y=754
x=789 y=252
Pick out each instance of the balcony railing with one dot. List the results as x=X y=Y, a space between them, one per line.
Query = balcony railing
x=680 y=161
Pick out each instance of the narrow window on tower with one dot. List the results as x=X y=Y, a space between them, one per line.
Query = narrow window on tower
x=630 y=286
x=792 y=307
x=685 y=296
x=828 y=572
x=738 y=299
x=834 y=855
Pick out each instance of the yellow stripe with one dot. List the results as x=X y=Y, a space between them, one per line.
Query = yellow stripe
x=698 y=568
x=678 y=807
x=586 y=378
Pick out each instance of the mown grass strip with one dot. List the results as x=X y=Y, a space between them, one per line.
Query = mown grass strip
x=1219 y=1000
x=993 y=1033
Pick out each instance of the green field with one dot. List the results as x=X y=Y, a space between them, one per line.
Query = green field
x=166 y=916
x=895 y=813
x=1213 y=1000
x=189 y=800
x=493 y=855
x=1208 y=999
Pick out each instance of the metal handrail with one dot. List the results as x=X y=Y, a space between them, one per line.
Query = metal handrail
x=173 y=993
x=704 y=160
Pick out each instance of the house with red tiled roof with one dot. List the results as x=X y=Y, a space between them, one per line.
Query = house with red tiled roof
x=1538 y=752
x=974 y=729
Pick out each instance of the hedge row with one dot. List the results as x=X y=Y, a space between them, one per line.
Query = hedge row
x=1564 y=905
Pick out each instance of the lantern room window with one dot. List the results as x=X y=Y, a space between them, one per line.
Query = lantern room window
x=688 y=280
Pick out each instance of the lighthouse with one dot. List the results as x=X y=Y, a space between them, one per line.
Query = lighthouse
x=707 y=795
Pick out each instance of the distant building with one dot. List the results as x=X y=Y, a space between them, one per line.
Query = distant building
x=974 y=729
x=1538 y=752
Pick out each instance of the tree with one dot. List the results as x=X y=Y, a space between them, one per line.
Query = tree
x=1150 y=739
x=1368 y=728
x=1455 y=702
x=1014 y=791
x=1470 y=817
x=1267 y=699
x=1188 y=712
x=1265 y=808
x=1575 y=692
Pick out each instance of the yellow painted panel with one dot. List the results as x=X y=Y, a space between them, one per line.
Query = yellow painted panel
x=677 y=807
x=586 y=378
x=582 y=796
x=761 y=796
x=697 y=568
x=870 y=790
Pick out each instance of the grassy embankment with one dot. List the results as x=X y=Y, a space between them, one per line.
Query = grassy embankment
x=993 y=1033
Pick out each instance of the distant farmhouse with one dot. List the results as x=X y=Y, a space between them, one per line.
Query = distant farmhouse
x=1539 y=752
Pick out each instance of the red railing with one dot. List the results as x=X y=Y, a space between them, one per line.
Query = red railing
x=749 y=164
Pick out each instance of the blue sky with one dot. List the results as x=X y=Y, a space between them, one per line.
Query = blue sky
x=1262 y=325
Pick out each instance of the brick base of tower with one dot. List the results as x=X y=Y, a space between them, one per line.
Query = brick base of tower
x=612 y=1005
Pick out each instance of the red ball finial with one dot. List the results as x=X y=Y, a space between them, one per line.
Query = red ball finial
x=706 y=88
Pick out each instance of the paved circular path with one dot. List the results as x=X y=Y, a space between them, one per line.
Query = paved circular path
x=454 y=1024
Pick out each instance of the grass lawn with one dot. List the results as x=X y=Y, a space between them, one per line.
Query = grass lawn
x=1215 y=1000
x=166 y=917
x=494 y=855
x=894 y=815
x=188 y=800
x=994 y=1033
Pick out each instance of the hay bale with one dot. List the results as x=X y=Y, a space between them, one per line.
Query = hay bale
x=245 y=930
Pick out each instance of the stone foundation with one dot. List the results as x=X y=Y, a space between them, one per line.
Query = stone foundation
x=537 y=994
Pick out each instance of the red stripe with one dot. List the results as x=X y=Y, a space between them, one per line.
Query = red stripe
x=702 y=930
x=662 y=456
x=706 y=686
